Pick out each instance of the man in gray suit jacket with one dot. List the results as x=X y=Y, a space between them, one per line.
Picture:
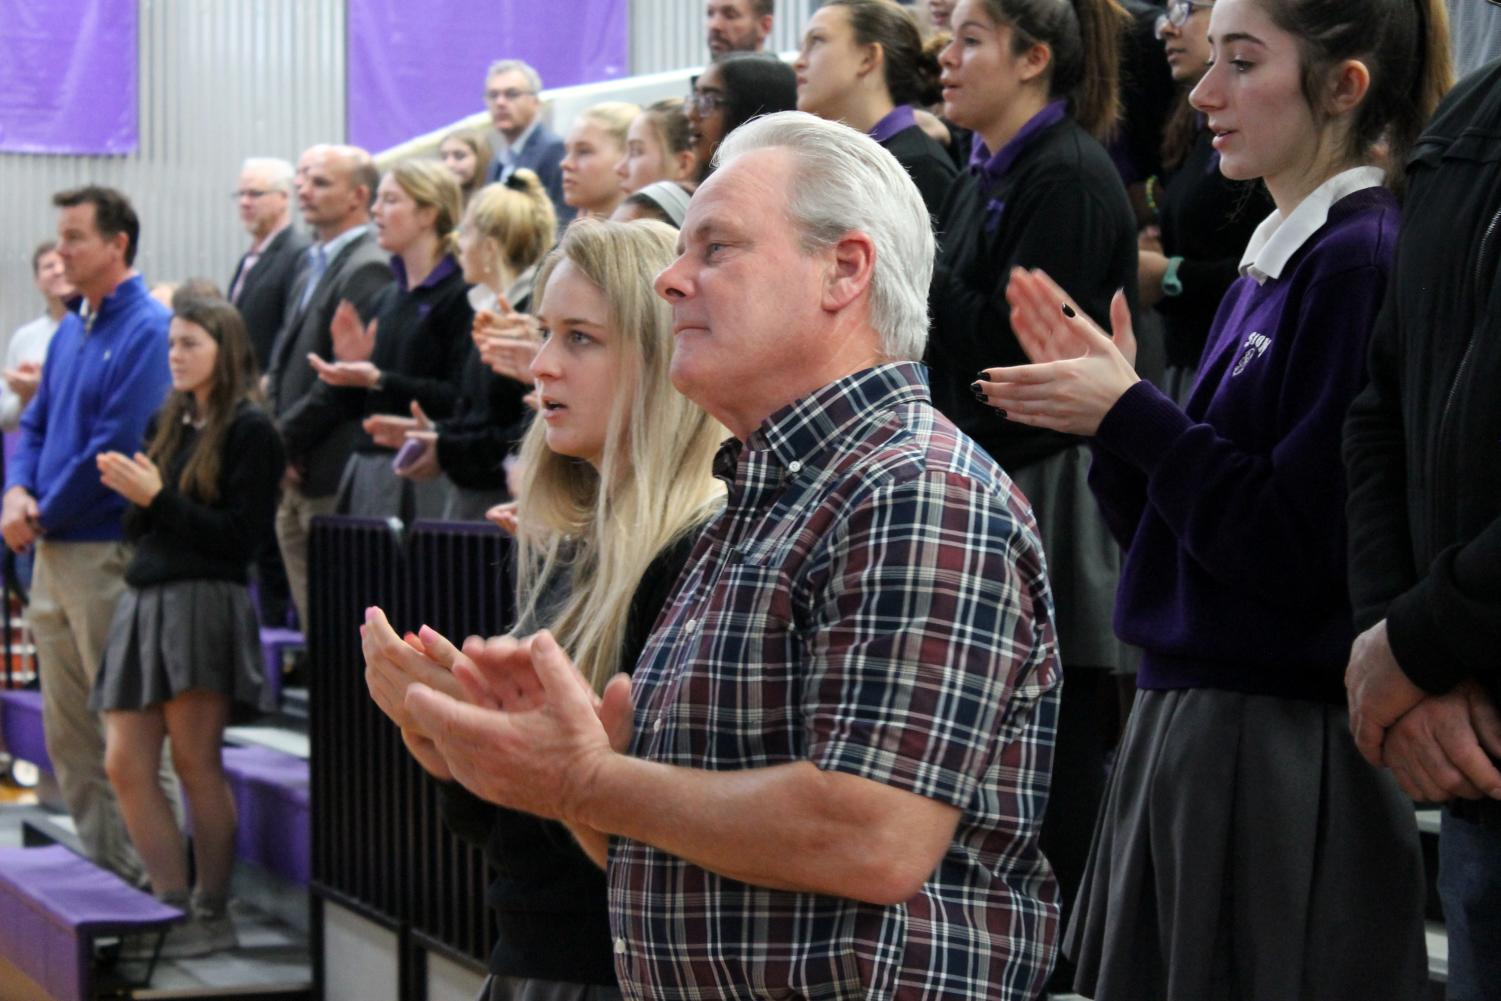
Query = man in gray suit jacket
x=512 y=93
x=262 y=282
x=346 y=264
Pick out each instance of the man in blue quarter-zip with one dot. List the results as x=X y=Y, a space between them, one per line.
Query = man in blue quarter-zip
x=105 y=375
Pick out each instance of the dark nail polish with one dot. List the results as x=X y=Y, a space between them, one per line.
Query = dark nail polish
x=982 y=374
x=1068 y=311
x=976 y=387
x=1000 y=413
x=981 y=397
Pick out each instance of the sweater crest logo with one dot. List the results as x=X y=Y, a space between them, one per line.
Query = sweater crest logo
x=1255 y=346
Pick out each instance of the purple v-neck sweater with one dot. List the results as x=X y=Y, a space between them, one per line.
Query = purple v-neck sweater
x=1233 y=511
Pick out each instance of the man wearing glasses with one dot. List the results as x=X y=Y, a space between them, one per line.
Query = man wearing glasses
x=512 y=95
x=262 y=290
x=262 y=280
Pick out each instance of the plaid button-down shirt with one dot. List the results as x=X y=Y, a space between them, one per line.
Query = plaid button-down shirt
x=873 y=599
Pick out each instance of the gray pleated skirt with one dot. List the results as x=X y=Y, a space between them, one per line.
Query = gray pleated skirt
x=370 y=489
x=1084 y=561
x=171 y=638
x=1246 y=851
x=465 y=504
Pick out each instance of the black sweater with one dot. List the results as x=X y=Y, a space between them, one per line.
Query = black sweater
x=420 y=345
x=1421 y=442
x=180 y=538
x=1207 y=219
x=1064 y=210
x=927 y=162
x=548 y=896
x=489 y=421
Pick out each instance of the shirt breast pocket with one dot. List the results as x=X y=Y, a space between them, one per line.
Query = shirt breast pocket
x=753 y=593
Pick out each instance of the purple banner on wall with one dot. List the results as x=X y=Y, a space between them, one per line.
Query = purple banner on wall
x=68 y=76
x=415 y=65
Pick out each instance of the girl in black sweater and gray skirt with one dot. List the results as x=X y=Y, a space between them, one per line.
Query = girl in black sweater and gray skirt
x=184 y=645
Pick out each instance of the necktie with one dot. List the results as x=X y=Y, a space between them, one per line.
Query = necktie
x=317 y=264
x=245 y=266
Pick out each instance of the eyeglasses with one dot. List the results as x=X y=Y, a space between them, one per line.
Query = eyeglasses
x=510 y=94
x=1179 y=11
x=252 y=193
x=704 y=102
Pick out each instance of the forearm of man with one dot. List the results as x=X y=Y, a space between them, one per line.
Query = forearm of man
x=788 y=827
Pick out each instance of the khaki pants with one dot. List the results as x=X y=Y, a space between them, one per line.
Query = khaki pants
x=73 y=594
x=294 y=526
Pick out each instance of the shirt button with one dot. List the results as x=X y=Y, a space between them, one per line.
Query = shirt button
x=794 y=466
x=620 y=947
x=690 y=625
x=656 y=724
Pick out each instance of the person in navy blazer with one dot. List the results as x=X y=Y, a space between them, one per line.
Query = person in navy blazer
x=512 y=94
x=262 y=282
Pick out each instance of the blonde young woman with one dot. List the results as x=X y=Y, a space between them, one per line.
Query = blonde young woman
x=505 y=232
x=617 y=484
x=414 y=349
x=595 y=144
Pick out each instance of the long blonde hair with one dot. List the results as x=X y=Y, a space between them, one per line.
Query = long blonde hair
x=595 y=532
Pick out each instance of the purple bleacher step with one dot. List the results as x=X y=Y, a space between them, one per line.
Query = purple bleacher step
x=275 y=642
x=272 y=797
x=53 y=904
x=21 y=730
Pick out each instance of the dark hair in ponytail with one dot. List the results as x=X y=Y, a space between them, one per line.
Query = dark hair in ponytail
x=911 y=71
x=1085 y=39
x=1405 y=46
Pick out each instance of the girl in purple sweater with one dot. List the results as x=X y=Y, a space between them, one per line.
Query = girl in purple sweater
x=1245 y=850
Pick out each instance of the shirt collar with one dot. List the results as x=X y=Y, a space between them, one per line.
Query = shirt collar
x=445 y=267
x=1277 y=239
x=512 y=149
x=991 y=168
x=332 y=247
x=521 y=288
x=130 y=289
x=265 y=241
x=482 y=297
x=802 y=434
x=898 y=119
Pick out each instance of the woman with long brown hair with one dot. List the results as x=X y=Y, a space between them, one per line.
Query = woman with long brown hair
x=184 y=646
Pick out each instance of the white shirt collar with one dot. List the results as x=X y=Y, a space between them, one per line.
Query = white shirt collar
x=344 y=239
x=482 y=297
x=1277 y=239
x=510 y=150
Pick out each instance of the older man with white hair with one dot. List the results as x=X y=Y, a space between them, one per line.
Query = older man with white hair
x=262 y=282
x=826 y=774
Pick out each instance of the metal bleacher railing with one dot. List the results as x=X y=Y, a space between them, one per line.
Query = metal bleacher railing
x=379 y=845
